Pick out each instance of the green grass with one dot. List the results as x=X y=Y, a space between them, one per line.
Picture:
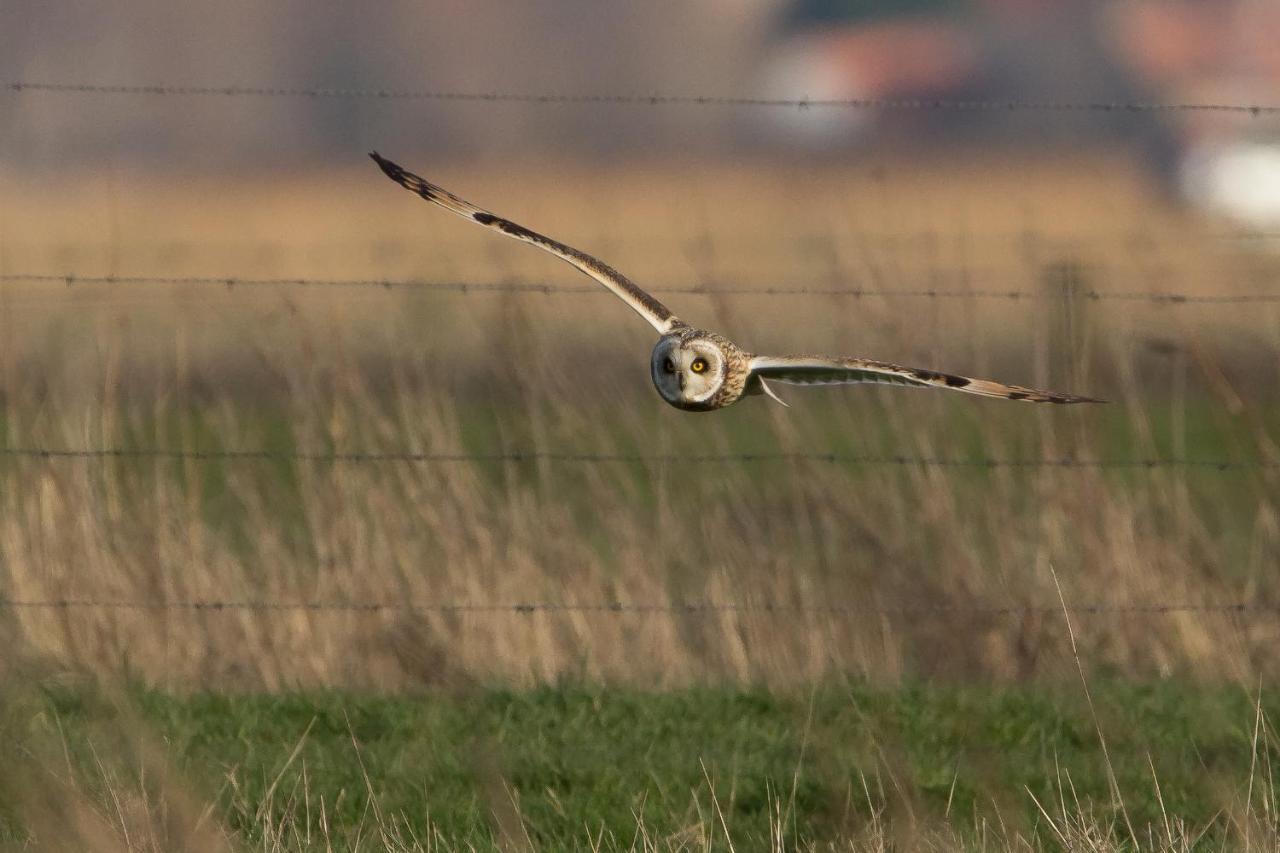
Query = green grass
x=1207 y=434
x=582 y=760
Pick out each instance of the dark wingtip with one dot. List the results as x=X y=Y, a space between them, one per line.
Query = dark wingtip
x=404 y=178
x=391 y=170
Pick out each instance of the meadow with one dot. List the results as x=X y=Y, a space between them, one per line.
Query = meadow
x=843 y=765
x=429 y=491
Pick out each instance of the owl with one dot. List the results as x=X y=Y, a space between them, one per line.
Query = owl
x=700 y=371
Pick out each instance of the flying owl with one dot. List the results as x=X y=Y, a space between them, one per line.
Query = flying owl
x=700 y=371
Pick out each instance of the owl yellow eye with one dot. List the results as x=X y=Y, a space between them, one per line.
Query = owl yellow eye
x=699 y=365
x=668 y=366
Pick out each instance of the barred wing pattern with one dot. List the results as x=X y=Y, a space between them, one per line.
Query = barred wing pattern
x=815 y=370
x=658 y=315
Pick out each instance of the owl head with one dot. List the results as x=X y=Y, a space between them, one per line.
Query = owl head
x=688 y=371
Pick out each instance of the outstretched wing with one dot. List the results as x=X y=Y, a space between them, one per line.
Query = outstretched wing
x=814 y=370
x=658 y=315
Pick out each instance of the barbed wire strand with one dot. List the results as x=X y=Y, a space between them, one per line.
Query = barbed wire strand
x=124 y=453
x=637 y=608
x=232 y=282
x=652 y=100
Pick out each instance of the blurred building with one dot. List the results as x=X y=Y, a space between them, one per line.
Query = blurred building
x=1045 y=52
x=1214 y=53
x=1069 y=51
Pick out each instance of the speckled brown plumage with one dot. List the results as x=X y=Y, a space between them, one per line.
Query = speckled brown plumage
x=700 y=371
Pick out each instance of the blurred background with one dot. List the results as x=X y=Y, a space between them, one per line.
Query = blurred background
x=270 y=424
x=1026 y=189
x=1035 y=51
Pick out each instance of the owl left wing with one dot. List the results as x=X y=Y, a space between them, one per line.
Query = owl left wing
x=816 y=370
x=658 y=315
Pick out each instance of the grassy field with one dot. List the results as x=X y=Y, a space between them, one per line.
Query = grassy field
x=841 y=765
x=286 y=368
x=882 y=547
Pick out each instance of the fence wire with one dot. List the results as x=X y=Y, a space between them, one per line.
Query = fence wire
x=460 y=287
x=530 y=608
x=1068 y=463
x=686 y=607
x=652 y=100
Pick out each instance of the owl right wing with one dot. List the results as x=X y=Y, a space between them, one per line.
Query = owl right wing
x=658 y=315
x=816 y=370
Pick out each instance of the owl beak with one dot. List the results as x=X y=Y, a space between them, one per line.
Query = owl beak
x=681 y=375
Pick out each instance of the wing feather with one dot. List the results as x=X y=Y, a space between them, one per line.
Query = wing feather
x=657 y=314
x=816 y=370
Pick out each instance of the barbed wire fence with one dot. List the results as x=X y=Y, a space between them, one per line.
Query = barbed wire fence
x=647 y=608
x=1066 y=463
x=674 y=608
x=623 y=99
x=461 y=287
x=652 y=100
